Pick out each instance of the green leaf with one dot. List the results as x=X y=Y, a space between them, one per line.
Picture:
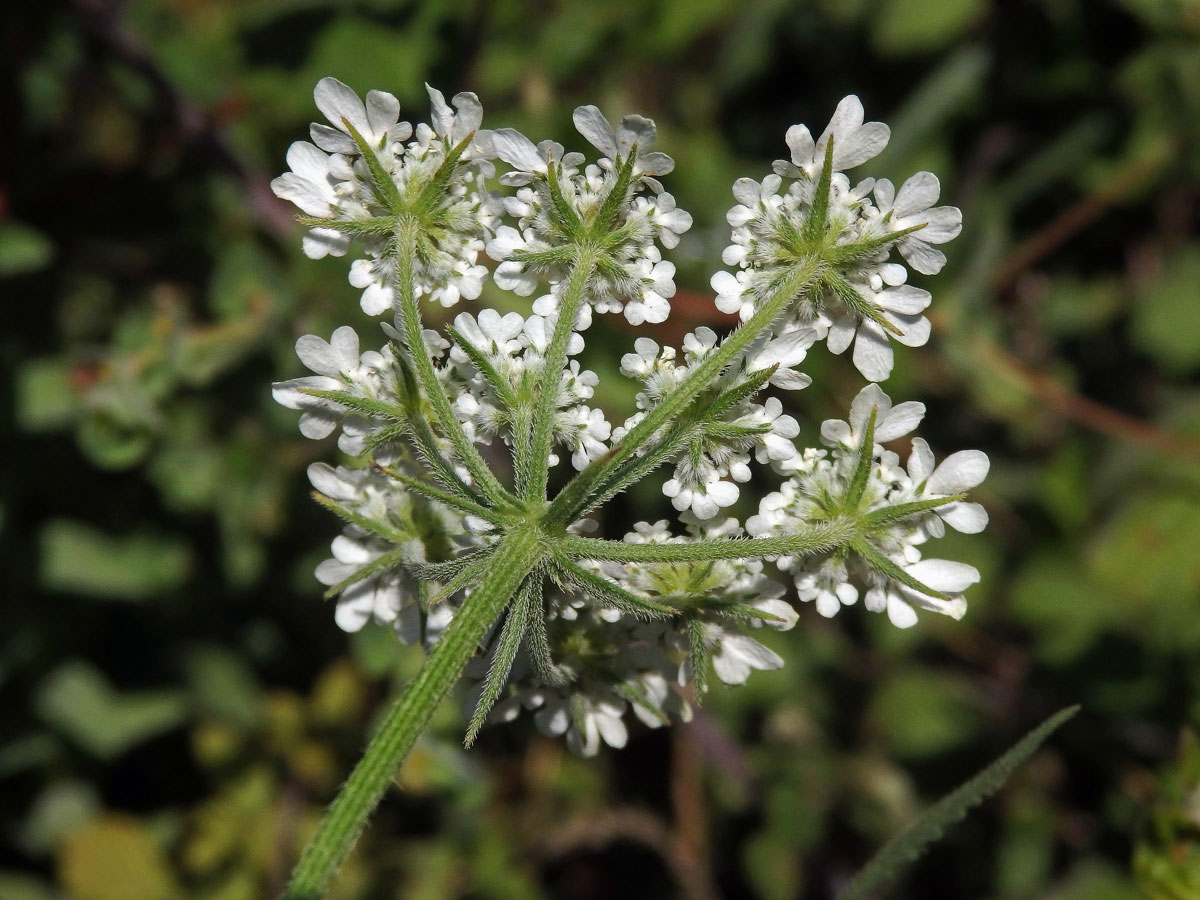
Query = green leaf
x=921 y=713
x=46 y=398
x=904 y=27
x=79 y=702
x=932 y=824
x=362 y=52
x=20 y=886
x=1066 y=610
x=1146 y=555
x=113 y=444
x=1166 y=316
x=224 y=685
x=60 y=809
x=23 y=249
x=30 y=751
x=1074 y=306
x=75 y=558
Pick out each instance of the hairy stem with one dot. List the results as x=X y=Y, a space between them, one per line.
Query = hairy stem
x=823 y=536
x=515 y=558
x=410 y=322
x=538 y=465
x=576 y=494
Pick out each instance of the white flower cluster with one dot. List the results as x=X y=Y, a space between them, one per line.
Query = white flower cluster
x=388 y=595
x=595 y=637
x=514 y=349
x=608 y=663
x=724 y=444
x=633 y=276
x=340 y=367
x=331 y=179
x=819 y=488
x=863 y=298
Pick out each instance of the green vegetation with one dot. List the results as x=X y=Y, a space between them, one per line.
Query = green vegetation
x=177 y=706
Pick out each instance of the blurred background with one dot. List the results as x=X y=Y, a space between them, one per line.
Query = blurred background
x=176 y=704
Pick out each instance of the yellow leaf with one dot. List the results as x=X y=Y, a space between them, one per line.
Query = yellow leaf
x=115 y=857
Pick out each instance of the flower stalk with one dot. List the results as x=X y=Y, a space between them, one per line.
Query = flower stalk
x=510 y=564
x=408 y=316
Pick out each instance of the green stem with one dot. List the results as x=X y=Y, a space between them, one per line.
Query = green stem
x=814 y=538
x=538 y=465
x=515 y=558
x=681 y=431
x=446 y=498
x=575 y=495
x=410 y=320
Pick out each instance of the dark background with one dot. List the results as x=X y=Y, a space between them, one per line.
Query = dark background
x=176 y=704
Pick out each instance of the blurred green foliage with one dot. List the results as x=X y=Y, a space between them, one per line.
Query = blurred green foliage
x=176 y=704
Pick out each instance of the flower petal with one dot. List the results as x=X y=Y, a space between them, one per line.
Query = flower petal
x=944 y=575
x=873 y=355
x=336 y=102
x=592 y=124
x=959 y=472
x=967 y=518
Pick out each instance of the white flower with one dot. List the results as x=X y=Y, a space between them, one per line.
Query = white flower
x=786 y=351
x=699 y=344
x=755 y=200
x=854 y=142
x=776 y=444
x=587 y=720
x=861 y=298
x=515 y=348
x=587 y=430
x=311 y=186
x=944 y=576
x=733 y=295
x=331 y=180
x=658 y=701
x=891 y=421
x=376 y=120
x=633 y=131
x=913 y=206
x=492 y=334
x=827 y=586
x=378 y=277
x=612 y=637
x=539 y=331
x=664 y=218
x=389 y=596
x=735 y=655
x=379 y=598
x=957 y=474
x=529 y=161
x=901 y=307
x=631 y=277
x=463 y=121
x=339 y=368
x=658 y=286
x=642 y=362
x=704 y=498
x=511 y=274
x=824 y=486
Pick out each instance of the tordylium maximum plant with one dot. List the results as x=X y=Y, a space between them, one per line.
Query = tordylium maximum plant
x=494 y=575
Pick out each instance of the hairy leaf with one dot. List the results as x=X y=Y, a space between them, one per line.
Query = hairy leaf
x=932 y=824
